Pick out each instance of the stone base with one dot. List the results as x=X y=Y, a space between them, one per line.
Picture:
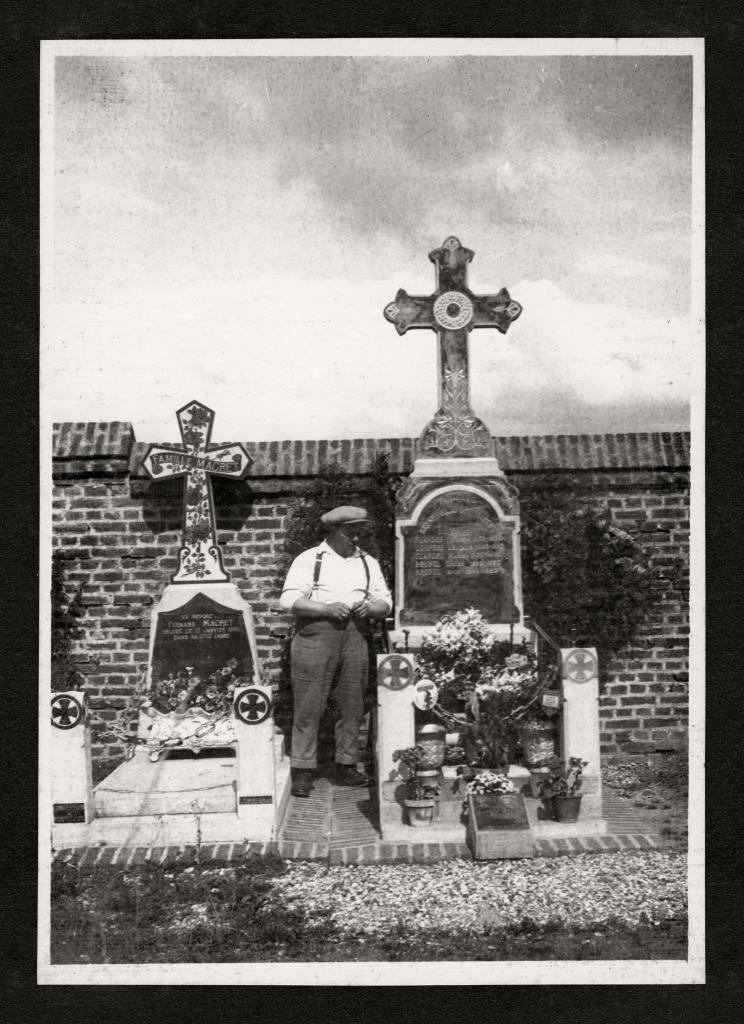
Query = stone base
x=166 y=830
x=449 y=825
x=160 y=813
x=499 y=844
x=456 y=467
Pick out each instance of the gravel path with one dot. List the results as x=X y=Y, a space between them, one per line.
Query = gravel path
x=581 y=891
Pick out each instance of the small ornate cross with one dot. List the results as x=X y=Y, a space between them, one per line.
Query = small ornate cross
x=453 y=311
x=200 y=557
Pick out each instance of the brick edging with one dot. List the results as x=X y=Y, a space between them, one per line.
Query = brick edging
x=371 y=853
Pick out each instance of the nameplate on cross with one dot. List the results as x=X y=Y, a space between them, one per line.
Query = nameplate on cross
x=200 y=558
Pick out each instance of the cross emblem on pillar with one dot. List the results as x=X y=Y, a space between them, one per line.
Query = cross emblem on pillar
x=252 y=707
x=197 y=460
x=453 y=311
x=580 y=665
x=66 y=711
x=394 y=672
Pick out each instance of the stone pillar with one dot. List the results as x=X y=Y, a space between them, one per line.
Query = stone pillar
x=256 y=788
x=395 y=729
x=71 y=767
x=580 y=722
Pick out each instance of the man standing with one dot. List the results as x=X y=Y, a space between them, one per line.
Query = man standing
x=335 y=591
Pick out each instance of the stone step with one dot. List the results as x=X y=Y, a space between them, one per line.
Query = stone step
x=139 y=787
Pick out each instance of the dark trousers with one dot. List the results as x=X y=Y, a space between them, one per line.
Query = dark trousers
x=319 y=648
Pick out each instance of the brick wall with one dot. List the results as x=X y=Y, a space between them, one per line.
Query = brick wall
x=117 y=535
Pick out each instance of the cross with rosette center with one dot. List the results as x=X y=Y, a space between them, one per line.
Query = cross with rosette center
x=452 y=310
x=196 y=459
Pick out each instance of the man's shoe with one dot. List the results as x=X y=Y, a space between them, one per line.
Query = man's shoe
x=302 y=783
x=347 y=775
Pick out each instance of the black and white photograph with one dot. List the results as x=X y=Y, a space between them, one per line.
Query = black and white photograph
x=372 y=554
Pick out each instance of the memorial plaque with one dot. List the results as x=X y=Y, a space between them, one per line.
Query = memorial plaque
x=458 y=555
x=499 y=811
x=201 y=635
x=69 y=814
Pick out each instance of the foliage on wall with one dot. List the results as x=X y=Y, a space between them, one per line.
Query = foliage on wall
x=585 y=580
x=65 y=628
x=335 y=486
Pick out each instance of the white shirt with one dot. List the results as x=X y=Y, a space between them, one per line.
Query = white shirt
x=341 y=579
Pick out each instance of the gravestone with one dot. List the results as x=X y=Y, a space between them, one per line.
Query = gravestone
x=457 y=517
x=498 y=827
x=202 y=637
x=456 y=521
x=207 y=749
x=458 y=554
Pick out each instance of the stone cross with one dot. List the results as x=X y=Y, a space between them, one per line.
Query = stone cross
x=200 y=558
x=453 y=311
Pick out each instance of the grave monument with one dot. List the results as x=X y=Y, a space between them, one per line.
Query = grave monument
x=206 y=743
x=457 y=520
x=457 y=547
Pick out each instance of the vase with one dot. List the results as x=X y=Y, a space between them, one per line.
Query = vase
x=431 y=740
x=420 y=812
x=537 y=743
x=566 y=808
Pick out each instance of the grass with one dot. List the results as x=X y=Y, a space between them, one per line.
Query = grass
x=658 y=788
x=206 y=914
x=209 y=914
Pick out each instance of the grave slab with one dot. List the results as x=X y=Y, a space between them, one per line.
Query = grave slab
x=498 y=828
x=169 y=786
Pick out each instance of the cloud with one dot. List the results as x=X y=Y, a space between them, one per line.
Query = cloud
x=315 y=358
x=231 y=230
x=600 y=355
x=614 y=265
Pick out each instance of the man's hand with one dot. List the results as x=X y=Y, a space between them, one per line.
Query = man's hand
x=370 y=609
x=338 y=611
x=361 y=609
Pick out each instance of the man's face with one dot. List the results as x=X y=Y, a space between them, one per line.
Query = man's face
x=345 y=539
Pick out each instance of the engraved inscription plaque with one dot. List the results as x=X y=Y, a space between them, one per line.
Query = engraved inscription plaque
x=458 y=555
x=202 y=634
x=499 y=811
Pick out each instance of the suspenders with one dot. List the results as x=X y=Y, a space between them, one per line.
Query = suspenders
x=316 y=573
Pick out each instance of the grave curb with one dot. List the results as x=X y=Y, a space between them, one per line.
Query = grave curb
x=216 y=854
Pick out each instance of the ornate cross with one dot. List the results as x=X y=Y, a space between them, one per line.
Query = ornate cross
x=453 y=311
x=200 y=557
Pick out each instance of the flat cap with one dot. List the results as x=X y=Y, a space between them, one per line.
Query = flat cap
x=343 y=515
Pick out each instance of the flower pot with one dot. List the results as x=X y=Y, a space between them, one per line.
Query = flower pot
x=420 y=812
x=566 y=808
x=431 y=740
x=430 y=776
x=537 y=743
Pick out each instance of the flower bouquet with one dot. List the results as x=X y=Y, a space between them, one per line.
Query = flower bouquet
x=487 y=686
x=188 y=709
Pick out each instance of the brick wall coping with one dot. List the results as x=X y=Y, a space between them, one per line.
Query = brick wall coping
x=115 y=441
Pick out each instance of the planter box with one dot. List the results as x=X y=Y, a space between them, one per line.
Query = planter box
x=498 y=827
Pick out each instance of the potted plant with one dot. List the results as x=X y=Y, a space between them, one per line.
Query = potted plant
x=560 y=790
x=421 y=791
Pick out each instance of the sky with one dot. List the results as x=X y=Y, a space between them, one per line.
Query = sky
x=230 y=228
